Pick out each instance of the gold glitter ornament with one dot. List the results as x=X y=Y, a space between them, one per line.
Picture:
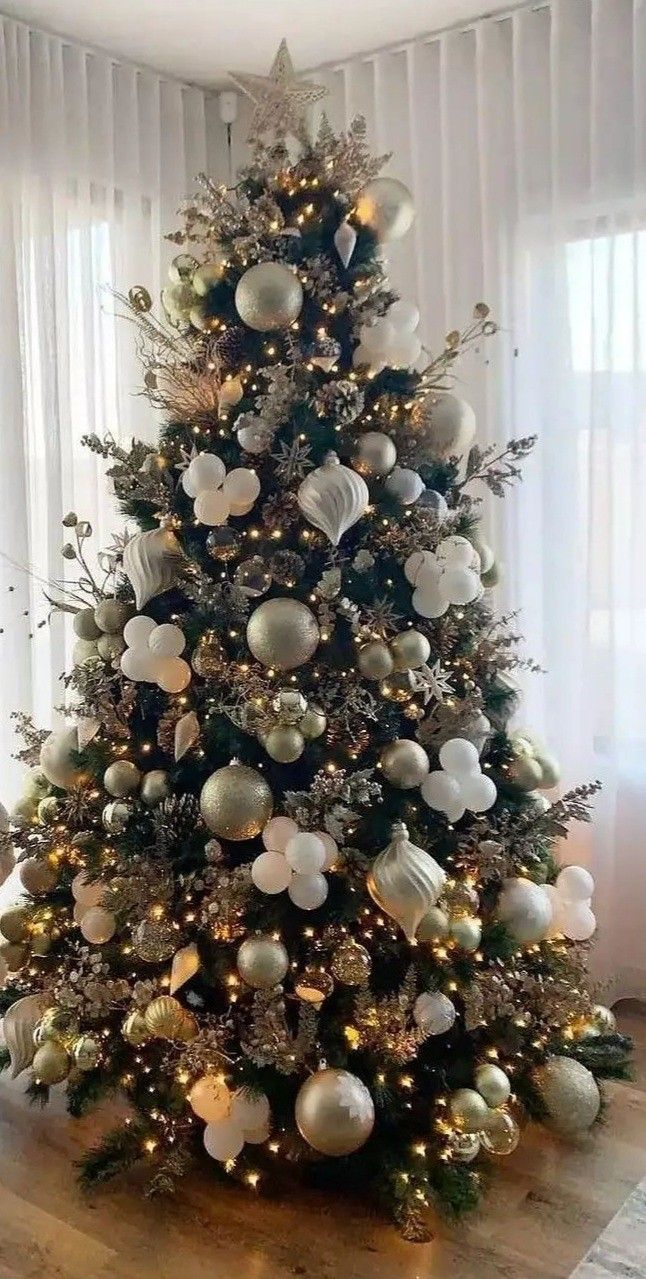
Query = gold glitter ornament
x=405 y=763
x=283 y=633
x=351 y=963
x=154 y=940
x=51 y=1064
x=14 y=924
x=469 y=1111
x=166 y=1018
x=208 y=656
x=135 y=1029
x=313 y=723
x=269 y=296
x=236 y=802
x=284 y=743
x=375 y=660
x=570 y=1094
x=37 y=876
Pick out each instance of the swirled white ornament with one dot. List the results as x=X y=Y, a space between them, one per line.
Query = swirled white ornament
x=405 y=881
x=19 y=1024
x=333 y=498
x=151 y=562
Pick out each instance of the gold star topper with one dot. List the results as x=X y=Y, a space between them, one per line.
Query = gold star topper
x=281 y=100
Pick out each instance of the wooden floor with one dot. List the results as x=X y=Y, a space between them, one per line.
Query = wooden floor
x=546 y=1206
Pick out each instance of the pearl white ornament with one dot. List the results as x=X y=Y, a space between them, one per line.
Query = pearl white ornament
x=434 y=1013
x=525 y=909
x=206 y=471
x=98 y=925
x=152 y=655
x=224 y=1140
x=386 y=206
x=308 y=891
x=56 y=757
x=305 y=853
x=278 y=832
x=451 y=425
x=575 y=884
x=345 y=238
x=404 y=485
x=405 y=881
x=333 y=498
x=459 y=784
x=271 y=873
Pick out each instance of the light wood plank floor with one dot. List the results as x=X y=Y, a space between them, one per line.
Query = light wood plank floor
x=547 y=1204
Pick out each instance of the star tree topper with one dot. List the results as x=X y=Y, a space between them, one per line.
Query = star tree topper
x=280 y=99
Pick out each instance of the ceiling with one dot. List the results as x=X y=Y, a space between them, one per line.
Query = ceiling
x=199 y=40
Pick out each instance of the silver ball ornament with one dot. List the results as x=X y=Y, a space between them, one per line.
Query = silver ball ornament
x=386 y=206
x=375 y=455
x=262 y=961
x=334 y=1112
x=283 y=633
x=115 y=816
x=405 y=763
x=466 y=933
x=269 y=296
x=410 y=650
x=469 y=1111
x=121 y=778
x=493 y=1084
x=236 y=802
x=155 y=787
x=375 y=660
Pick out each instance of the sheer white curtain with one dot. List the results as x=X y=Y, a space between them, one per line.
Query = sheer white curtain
x=523 y=140
x=95 y=157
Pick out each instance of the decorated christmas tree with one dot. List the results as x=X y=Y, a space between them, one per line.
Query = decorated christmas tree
x=288 y=877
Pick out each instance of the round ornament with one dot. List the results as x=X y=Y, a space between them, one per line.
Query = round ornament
x=313 y=985
x=570 y=1093
x=111 y=616
x=208 y=656
x=84 y=625
x=450 y=425
x=434 y=1012
x=404 y=485
x=501 y=1135
x=434 y=925
x=154 y=940
x=525 y=909
x=334 y=1112
x=465 y=1146
x=604 y=1019
x=386 y=206
x=37 y=876
x=135 y=1029
x=210 y=1098
x=253 y=577
x=375 y=660
x=14 y=924
x=165 y=1018
x=57 y=1023
x=493 y=1084
x=155 y=787
x=283 y=633
x=236 y=802
x=405 y=763
x=308 y=892
x=51 y=1063
x=86 y=1053
x=351 y=963
x=223 y=544
x=57 y=758
x=284 y=743
x=98 y=925
x=223 y=1140
x=375 y=455
x=271 y=873
x=469 y=1111
x=466 y=933
x=14 y=955
x=121 y=778
x=410 y=650
x=262 y=961
x=305 y=853
x=115 y=816
x=268 y=297
x=313 y=723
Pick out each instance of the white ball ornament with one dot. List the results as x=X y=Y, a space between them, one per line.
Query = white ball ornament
x=404 y=485
x=441 y=791
x=278 y=832
x=331 y=848
x=241 y=488
x=139 y=665
x=167 y=640
x=575 y=884
x=525 y=909
x=137 y=631
x=404 y=763
x=271 y=873
x=173 y=674
x=451 y=425
x=404 y=315
x=576 y=921
x=459 y=756
x=251 y=1111
x=375 y=454
x=98 y=925
x=212 y=507
x=223 y=1140
x=493 y=1084
x=305 y=853
x=386 y=206
x=334 y=1112
x=308 y=891
x=210 y=1099
x=206 y=471
x=478 y=792
x=56 y=757
x=460 y=585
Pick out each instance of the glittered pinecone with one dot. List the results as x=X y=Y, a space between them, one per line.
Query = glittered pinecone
x=176 y=820
x=341 y=401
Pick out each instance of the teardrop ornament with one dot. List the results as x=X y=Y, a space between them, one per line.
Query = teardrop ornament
x=151 y=562
x=333 y=498
x=187 y=732
x=345 y=238
x=186 y=963
x=405 y=881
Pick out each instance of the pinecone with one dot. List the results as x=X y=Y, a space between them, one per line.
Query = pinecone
x=342 y=401
x=176 y=820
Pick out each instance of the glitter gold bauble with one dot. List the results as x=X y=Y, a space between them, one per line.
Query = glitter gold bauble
x=469 y=1111
x=262 y=961
x=86 y=1053
x=57 y=1023
x=351 y=963
x=155 y=787
x=111 y=616
x=313 y=723
x=334 y=1112
x=386 y=206
x=375 y=660
x=135 y=1029
x=570 y=1094
x=236 y=802
x=268 y=297
x=283 y=633
x=208 y=656
x=284 y=743
x=154 y=940
x=121 y=778
x=493 y=1084
x=51 y=1064
x=404 y=763
x=165 y=1018
x=14 y=924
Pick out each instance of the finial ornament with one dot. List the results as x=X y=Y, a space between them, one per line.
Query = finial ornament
x=281 y=100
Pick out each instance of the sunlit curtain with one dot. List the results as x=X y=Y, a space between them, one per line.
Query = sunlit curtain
x=523 y=141
x=95 y=157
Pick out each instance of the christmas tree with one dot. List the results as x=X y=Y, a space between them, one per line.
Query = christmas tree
x=289 y=876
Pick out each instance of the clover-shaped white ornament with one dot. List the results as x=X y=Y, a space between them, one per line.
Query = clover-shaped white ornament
x=216 y=494
x=460 y=783
x=153 y=654
x=448 y=575
x=392 y=340
x=247 y=1119
x=571 y=899
x=294 y=860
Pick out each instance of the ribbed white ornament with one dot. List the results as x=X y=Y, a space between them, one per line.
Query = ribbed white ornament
x=405 y=881
x=333 y=498
x=151 y=562
x=19 y=1024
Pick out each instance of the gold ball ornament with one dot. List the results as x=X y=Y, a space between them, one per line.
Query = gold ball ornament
x=386 y=206
x=51 y=1064
x=410 y=650
x=154 y=940
x=210 y=1099
x=351 y=964
x=493 y=1084
x=86 y=1053
x=14 y=924
x=236 y=802
x=405 y=763
x=313 y=723
x=57 y=1023
x=375 y=455
x=375 y=660
x=283 y=633
x=334 y=1112
x=121 y=778
x=262 y=961
x=570 y=1094
x=434 y=925
x=501 y=1134
x=469 y=1111
x=284 y=743
x=84 y=625
x=14 y=955
x=135 y=1029
x=466 y=933
x=111 y=616
x=37 y=876
x=165 y=1018
x=268 y=297
x=110 y=647
x=155 y=787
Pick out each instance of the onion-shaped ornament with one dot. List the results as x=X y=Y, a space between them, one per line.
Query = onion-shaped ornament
x=151 y=562
x=405 y=881
x=333 y=498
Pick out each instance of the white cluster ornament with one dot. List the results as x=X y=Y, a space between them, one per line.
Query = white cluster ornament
x=245 y=1120
x=392 y=341
x=97 y=924
x=153 y=652
x=294 y=860
x=460 y=782
x=333 y=498
x=533 y=912
x=449 y=575
x=571 y=898
x=216 y=494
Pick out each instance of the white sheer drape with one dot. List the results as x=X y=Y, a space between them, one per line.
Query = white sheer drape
x=94 y=159
x=523 y=140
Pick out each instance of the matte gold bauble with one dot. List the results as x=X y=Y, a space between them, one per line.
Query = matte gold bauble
x=135 y=1029
x=14 y=923
x=86 y=1053
x=375 y=660
x=434 y=925
x=313 y=723
x=236 y=802
x=37 y=876
x=410 y=650
x=85 y=626
x=570 y=1094
x=111 y=616
x=262 y=961
x=375 y=455
x=283 y=633
x=155 y=787
x=121 y=778
x=269 y=296
x=493 y=1084
x=405 y=763
x=334 y=1112
x=284 y=743
x=51 y=1064
x=351 y=963
x=386 y=206
x=14 y=955
x=469 y=1111
x=165 y=1018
